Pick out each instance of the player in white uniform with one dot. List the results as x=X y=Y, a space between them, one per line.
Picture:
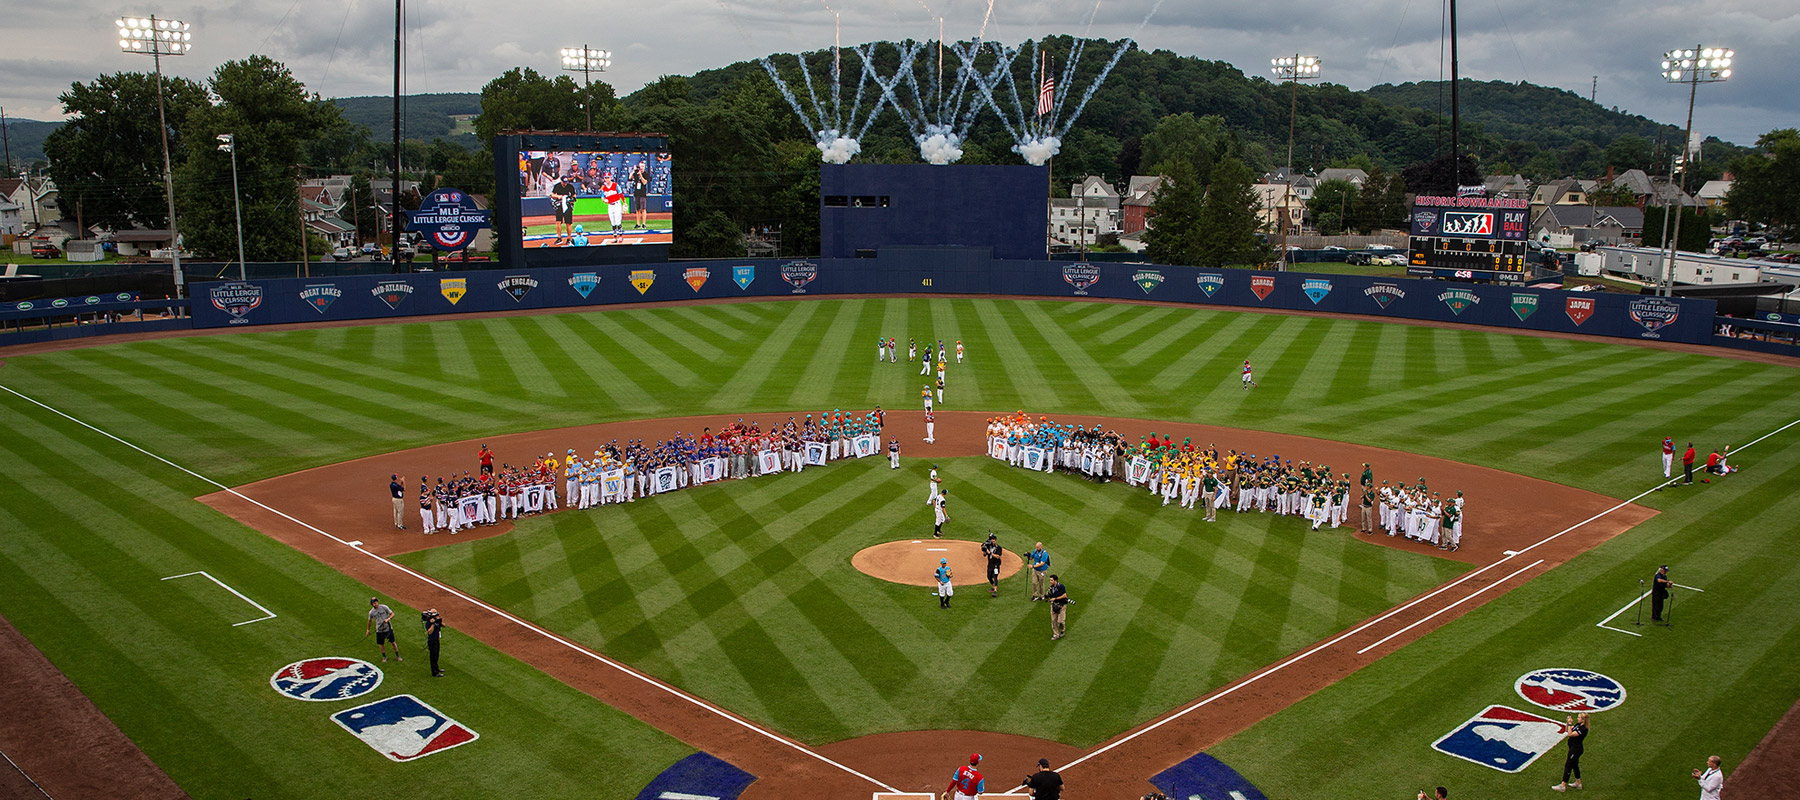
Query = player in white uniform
x=931 y=500
x=959 y=351
x=930 y=427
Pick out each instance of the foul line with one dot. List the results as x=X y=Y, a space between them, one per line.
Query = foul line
x=1433 y=615
x=1627 y=607
x=1510 y=555
x=259 y=607
x=672 y=691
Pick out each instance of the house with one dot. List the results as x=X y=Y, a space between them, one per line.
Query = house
x=1274 y=198
x=1303 y=184
x=1074 y=221
x=1712 y=195
x=1355 y=176
x=36 y=198
x=383 y=191
x=1096 y=190
x=1512 y=186
x=1657 y=191
x=1604 y=224
x=324 y=221
x=11 y=223
x=1566 y=192
x=1134 y=206
x=139 y=242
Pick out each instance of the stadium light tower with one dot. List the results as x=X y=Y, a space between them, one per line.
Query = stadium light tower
x=156 y=38
x=1293 y=69
x=1700 y=64
x=586 y=61
x=228 y=143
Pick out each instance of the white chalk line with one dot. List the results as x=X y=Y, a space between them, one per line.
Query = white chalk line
x=428 y=580
x=1627 y=607
x=1267 y=671
x=1433 y=615
x=240 y=595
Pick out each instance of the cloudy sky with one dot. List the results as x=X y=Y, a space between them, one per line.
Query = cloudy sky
x=343 y=47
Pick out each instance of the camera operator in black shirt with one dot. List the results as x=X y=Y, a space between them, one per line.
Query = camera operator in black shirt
x=434 y=629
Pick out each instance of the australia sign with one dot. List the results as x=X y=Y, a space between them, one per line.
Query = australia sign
x=449 y=218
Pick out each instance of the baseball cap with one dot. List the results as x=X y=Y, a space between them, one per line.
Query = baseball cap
x=1044 y=762
x=943 y=561
x=974 y=758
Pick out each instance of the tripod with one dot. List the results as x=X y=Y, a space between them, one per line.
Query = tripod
x=1640 y=603
x=1669 y=612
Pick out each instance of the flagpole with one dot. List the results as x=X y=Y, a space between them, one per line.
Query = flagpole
x=1049 y=163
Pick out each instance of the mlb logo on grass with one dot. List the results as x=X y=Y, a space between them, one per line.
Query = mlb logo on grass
x=1502 y=738
x=403 y=728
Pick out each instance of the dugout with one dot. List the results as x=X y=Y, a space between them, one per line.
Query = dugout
x=1002 y=211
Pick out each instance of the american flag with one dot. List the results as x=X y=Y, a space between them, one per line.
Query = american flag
x=1046 y=94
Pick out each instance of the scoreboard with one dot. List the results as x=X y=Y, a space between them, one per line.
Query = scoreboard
x=1469 y=238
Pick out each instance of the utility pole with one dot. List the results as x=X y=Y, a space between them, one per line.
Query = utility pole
x=394 y=209
x=1455 y=112
x=6 y=139
x=1594 y=89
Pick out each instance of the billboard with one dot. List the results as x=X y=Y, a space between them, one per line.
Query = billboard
x=594 y=198
x=1469 y=238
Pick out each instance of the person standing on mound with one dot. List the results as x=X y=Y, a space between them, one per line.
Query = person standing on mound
x=944 y=589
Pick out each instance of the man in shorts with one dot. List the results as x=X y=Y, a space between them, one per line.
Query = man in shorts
x=562 y=202
x=381 y=621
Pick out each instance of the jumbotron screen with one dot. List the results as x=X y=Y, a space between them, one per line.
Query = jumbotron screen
x=594 y=199
x=1469 y=238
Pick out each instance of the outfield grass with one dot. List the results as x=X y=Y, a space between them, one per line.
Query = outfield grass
x=89 y=526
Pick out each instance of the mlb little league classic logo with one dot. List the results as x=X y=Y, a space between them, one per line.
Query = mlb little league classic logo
x=325 y=679
x=1315 y=289
x=1654 y=313
x=1502 y=738
x=237 y=299
x=798 y=274
x=1147 y=279
x=1570 y=690
x=1210 y=283
x=1081 y=275
x=404 y=728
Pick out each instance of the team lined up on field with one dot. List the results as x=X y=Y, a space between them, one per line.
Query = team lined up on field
x=1192 y=476
x=620 y=473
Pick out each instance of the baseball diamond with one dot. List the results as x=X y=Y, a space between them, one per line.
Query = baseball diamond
x=591 y=648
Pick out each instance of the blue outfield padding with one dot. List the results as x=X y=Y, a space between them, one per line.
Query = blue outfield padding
x=698 y=775
x=931 y=270
x=1205 y=778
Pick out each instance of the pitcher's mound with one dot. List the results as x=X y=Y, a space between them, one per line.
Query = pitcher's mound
x=914 y=562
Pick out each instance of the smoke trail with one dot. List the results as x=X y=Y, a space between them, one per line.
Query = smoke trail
x=1095 y=86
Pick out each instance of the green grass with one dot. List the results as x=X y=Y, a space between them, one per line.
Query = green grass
x=755 y=570
x=1344 y=268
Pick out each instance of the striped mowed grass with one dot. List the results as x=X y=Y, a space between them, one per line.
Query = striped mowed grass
x=90 y=525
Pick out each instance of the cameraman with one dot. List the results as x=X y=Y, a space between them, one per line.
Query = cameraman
x=434 y=629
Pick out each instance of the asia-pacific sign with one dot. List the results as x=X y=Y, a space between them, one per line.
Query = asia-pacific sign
x=1147 y=279
x=1081 y=275
x=449 y=218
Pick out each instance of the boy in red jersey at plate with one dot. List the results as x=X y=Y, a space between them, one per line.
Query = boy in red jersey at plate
x=967 y=783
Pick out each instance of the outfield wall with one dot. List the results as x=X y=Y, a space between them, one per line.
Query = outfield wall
x=948 y=271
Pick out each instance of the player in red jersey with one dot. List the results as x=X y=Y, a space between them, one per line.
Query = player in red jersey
x=967 y=783
x=1248 y=382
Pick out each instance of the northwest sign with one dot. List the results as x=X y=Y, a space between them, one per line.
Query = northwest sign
x=742 y=276
x=237 y=299
x=1081 y=275
x=321 y=295
x=517 y=286
x=1571 y=690
x=641 y=279
x=403 y=728
x=1315 y=289
x=1654 y=313
x=1502 y=738
x=453 y=289
x=696 y=277
x=1579 y=309
x=1384 y=293
x=584 y=282
x=1459 y=300
x=1147 y=279
x=1261 y=286
x=392 y=292
x=1210 y=282
x=1524 y=305
x=324 y=679
x=798 y=274
x=450 y=218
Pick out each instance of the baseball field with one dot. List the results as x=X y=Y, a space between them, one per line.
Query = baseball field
x=574 y=634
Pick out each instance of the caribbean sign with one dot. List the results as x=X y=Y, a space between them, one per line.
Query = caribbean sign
x=450 y=218
x=1315 y=289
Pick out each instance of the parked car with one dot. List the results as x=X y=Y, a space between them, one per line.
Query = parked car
x=1359 y=259
x=1332 y=248
x=1382 y=247
x=1390 y=260
x=370 y=249
x=45 y=250
x=343 y=254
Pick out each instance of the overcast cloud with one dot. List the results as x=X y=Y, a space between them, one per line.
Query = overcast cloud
x=343 y=47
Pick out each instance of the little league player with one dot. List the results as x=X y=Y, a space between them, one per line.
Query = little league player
x=1248 y=382
x=939 y=515
x=930 y=424
x=959 y=351
x=1668 y=456
x=925 y=394
x=894 y=454
x=944 y=589
x=931 y=499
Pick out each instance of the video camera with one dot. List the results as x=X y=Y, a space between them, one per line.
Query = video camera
x=429 y=616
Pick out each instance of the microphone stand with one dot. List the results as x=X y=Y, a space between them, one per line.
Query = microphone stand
x=1640 y=604
x=1669 y=613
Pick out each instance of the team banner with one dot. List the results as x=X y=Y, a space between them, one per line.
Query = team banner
x=1034 y=457
x=866 y=445
x=815 y=454
x=712 y=469
x=1137 y=470
x=997 y=447
x=663 y=480
x=768 y=461
x=473 y=507
x=534 y=498
x=1089 y=463
x=612 y=482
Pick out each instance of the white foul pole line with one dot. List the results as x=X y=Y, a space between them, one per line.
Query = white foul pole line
x=428 y=580
x=240 y=595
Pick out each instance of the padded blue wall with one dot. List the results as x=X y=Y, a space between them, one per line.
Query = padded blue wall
x=1001 y=208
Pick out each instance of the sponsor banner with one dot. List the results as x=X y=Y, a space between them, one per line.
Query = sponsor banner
x=1654 y=313
x=583 y=283
x=1569 y=689
x=321 y=295
x=1316 y=289
x=798 y=274
x=404 y=728
x=1524 y=305
x=1459 y=300
x=1579 y=309
x=815 y=454
x=866 y=445
x=1262 y=285
x=237 y=299
x=1147 y=279
x=325 y=679
x=1384 y=294
x=71 y=302
x=641 y=279
x=1034 y=457
x=450 y=218
x=696 y=277
x=393 y=293
x=768 y=461
x=663 y=480
x=517 y=286
x=1502 y=738
x=997 y=447
x=1081 y=275
x=1210 y=282
x=453 y=289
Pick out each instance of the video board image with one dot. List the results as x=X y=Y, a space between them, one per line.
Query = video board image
x=594 y=199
